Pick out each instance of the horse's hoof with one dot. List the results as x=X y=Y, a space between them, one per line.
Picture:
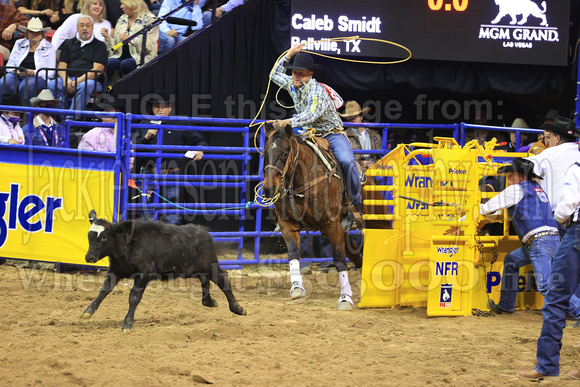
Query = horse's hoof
x=297 y=291
x=126 y=330
x=86 y=316
x=238 y=310
x=210 y=304
x=345 y=302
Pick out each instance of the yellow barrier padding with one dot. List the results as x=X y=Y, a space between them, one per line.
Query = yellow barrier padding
x=44 y=211
x=415 y=263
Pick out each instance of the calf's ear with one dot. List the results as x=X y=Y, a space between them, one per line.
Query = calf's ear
x=92 y=216
x=126 y=227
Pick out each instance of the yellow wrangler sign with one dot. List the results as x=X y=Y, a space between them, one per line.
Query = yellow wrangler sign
x=415 y=263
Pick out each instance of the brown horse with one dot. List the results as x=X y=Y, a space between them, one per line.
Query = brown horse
x=308 y=195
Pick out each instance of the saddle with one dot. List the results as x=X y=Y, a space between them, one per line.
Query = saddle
x=321 y=148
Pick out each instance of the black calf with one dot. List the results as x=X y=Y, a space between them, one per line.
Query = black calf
x=146 y=251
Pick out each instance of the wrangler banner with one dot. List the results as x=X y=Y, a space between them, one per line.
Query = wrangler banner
x=45 y=198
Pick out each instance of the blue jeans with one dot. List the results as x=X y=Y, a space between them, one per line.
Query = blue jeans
x=126 y=66
x=83 y=92
x=167 y=42
x=11 y=81
x=563 y=282
x=171 y=193
x=342 y=150
x=540 y=254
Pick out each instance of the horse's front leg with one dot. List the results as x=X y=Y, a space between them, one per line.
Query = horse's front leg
x=337 y=242
x=292 y=238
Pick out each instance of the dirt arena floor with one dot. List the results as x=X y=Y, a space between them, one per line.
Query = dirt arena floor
x=177 y=342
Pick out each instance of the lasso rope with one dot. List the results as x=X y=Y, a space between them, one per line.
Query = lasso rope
x=270 y=201
x=261 y=124
x=150 y=192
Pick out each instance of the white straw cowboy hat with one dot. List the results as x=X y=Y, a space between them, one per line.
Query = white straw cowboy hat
x=519 y=123
x=34 y=25
x=44 y=96
x=353 y=109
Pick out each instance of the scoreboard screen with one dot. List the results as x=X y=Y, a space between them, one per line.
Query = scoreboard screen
x=498 y=31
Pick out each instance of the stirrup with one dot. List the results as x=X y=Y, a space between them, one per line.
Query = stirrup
x=297 y=290
x=362 y=177
x=347 y=221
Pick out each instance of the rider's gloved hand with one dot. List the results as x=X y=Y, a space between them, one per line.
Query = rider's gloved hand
x=281 y=124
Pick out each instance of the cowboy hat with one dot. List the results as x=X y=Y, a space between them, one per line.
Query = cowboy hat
x=551 y=115
x=353 y=109
x=160 y=96
x=562 y=126
x=303 y=61
x=44 y=96
x=106 y=101
x=34 y=25
x=520 y=165
x=519 y=123
x=13 y=99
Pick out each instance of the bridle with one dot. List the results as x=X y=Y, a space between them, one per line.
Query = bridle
x=290 y=164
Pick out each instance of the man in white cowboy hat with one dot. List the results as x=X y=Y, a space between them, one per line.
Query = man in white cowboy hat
x=315 y=109
x=31 y=54
x=44 y=130
x=361 y=137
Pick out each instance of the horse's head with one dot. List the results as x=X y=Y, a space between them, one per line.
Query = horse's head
x=276 y=152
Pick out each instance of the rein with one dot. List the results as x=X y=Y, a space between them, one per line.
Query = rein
x=281 y=189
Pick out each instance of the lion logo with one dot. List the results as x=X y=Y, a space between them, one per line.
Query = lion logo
x=520 y=7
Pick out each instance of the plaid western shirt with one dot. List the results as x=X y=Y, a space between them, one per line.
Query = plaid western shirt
x=314 y=107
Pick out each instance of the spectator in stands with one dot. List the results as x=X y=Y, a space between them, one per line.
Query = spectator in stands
x=76 y=5
x=102 y=139
x=32 y=53
x=10 y=131
x=223 y=7
x=10 y=19
x=162 y=106
x=361 y=138
x=46 y=10
x=172 y=34
x=44 y=130
x=114 y=11
x=537 y=147
x=551 y=116
x=66 y=10
x=548 y=120
x=136 y=15
x=82 y=52
x=511 y=145
x=93 y=8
